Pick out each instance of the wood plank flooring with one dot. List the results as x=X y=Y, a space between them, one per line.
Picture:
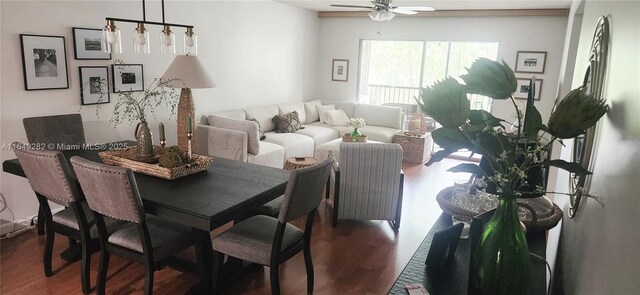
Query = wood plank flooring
x=354 y=258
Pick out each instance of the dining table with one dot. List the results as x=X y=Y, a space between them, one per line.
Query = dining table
x=227 y=191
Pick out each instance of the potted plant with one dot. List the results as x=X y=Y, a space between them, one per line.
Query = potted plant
x=501 y=259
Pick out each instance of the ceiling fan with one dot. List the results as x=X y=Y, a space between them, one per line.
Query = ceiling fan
x=382 y=10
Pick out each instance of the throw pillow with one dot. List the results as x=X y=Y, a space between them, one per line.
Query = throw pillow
x=262 y=136
x=323 y=109
x=312 y=111
x=288 y=123
x=336 y=118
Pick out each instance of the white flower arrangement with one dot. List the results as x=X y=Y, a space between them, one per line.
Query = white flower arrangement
x=357 y=123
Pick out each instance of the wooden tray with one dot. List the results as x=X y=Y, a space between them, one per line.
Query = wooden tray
x=122 y=158
x=347 y=138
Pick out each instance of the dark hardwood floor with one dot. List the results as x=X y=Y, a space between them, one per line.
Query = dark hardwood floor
x=355 y=258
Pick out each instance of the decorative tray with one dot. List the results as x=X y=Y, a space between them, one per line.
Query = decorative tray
x=347 y=138
x=124 y=158
x=456 y=201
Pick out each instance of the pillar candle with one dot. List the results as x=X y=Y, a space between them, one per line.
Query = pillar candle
x=162 y=132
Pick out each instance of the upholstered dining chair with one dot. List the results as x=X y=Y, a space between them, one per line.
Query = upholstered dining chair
x=63 y=131
x=112 y=192
x=51 y=180
x=58 y=132
x=271 y=241
x=368 y=183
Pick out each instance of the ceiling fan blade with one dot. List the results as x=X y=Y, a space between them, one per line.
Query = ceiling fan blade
x=401 y=10
x=418 y=8
x=379 y=4
x=351 y=6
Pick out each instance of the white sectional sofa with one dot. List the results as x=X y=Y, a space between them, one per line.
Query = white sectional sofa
x=235 y=135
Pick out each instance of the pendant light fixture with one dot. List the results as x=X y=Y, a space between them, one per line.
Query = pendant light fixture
x=111 y=37
x=141 y=41
x=167 y=41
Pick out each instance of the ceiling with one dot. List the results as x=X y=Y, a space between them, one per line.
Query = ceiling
x=323 y=5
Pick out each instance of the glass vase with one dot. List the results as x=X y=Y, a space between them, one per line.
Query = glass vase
x=500 y=263
x=355 y=134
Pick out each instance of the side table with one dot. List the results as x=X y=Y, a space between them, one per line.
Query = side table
x=415 y=149
x=297 y=163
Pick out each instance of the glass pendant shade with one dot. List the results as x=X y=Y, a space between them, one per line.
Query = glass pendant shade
x=190 y=42
x=141 y=42
x=381 y=15
x=167 y=41
x=111 y=36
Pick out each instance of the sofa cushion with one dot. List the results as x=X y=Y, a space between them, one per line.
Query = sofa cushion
x=285 y=109
x=295 y=145
x=383 y=116
x=347 y=107
x=263 y=114
x=236 y=115
x=323 y=109
x=271 y=155
x=311 y=112
x=378 y=133
x=336 y=118
x=288 y=123
x=339 y=129
x=319 y=134
x=253 y=143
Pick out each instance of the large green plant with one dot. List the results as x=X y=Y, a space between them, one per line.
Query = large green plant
x=510 y=154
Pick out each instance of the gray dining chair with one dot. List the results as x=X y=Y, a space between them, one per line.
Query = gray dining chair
x=51 y=179
x=271 y=241
x=112 y=192
x=62 y=131
x=368 y=183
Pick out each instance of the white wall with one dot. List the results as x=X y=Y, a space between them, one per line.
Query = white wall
x=257 y=52
x=601 y=245
x=340 y=40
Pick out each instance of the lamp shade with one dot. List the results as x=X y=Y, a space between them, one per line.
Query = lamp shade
x=186 y=71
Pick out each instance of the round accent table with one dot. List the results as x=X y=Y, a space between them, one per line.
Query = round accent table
x=297 y=163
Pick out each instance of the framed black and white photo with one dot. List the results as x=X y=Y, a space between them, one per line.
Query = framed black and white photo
x=44 y=62
x=88 y=44
x=340 y=70
x=522 y=91
x=531 y=62
x=94 y=85
x=127 y=77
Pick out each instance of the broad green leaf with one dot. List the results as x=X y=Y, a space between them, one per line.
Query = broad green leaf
x=450 y=139
x=568 y=166
x=468 y=168
x=490 y=143
x=533 y=123
x=483 y=117
x=439 y=156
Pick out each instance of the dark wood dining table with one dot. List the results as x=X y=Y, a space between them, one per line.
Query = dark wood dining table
x=228 y=190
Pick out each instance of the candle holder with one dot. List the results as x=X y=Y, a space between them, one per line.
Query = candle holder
x=189 y=136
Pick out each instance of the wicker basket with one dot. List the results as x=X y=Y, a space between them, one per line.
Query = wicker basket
x=122 y=158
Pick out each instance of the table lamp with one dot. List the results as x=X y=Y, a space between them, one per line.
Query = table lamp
x=187 y=72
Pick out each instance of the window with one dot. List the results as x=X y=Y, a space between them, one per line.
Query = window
x=394 y=71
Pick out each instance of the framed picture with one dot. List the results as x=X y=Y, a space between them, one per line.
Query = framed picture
x=94 y=85
x=44 y=62
x=531 y=62
x=522 y=91
x=127 y=77
x=88 y=44
x=340 y=70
